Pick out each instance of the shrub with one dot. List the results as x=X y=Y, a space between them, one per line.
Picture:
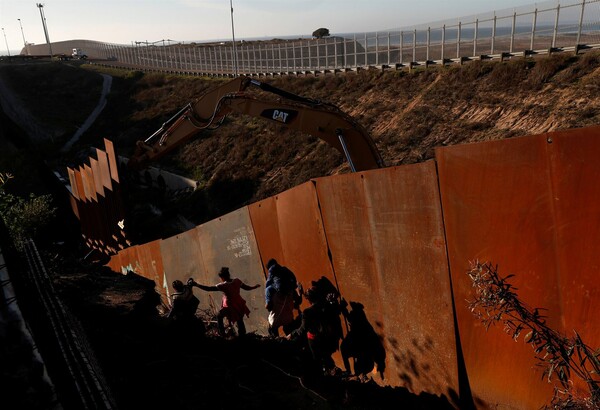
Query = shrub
x=496 y=302
x=24 y=217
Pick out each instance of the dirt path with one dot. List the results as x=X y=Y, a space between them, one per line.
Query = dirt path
x=17 y=112
x=90 y=120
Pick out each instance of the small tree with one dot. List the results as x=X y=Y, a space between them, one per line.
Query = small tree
x=321 y=32
x=497 y=302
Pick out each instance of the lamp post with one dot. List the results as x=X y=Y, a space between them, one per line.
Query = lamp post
x=7 y=49
x=41 y=7
x=235 y=64
x=23 y=34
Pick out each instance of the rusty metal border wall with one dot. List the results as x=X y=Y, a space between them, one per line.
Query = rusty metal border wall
x=529 y=205
x=399 y=240
x=95 y=199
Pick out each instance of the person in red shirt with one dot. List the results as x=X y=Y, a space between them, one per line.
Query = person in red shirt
x=233 y=306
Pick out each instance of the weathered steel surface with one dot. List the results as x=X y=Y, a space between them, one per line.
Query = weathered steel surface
x=385 y=233
x=288 y=227
x=575 y=183
x=182 y=259
x=229 y=241
x=97 y=172
x=498 y=207
x=343 y=212
x=263 y=215
x=409 y=250
x=112 y=160
x=301 y=234
x=104 y=169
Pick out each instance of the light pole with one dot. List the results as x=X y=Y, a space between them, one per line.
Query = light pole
x=41 y=7
x=23 y=34
x=235 y=64
x=7 y=49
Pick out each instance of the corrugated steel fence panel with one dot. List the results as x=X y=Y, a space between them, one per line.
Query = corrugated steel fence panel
x=182 y=259
x=385 y=232
x=263 y=215
x=498 y=207
x=288 y=227
x=229 y=241
x=576 y=185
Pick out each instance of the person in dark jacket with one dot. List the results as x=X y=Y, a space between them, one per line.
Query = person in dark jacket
x=319 y=326
x=281 y=297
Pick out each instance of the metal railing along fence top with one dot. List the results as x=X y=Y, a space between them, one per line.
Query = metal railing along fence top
x=541 y=28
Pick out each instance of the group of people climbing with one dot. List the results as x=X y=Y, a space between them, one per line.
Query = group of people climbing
x=318 y=326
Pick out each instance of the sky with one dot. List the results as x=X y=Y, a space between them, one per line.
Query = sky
x=127 y=21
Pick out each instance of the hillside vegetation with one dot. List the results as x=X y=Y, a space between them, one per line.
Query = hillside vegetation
x=407 y=114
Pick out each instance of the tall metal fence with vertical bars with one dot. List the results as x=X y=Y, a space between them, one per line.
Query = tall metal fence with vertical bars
x=541 y=28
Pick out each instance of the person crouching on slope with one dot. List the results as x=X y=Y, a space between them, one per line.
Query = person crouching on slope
x=233 y=306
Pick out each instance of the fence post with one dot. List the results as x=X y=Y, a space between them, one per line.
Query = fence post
x=366 y=50
x=580 y=26
x=376 y=48
x=534 y=23
x=443 y=43
x=401 y=46
x=555 y=31
x=475 y=37
x=458 y=39
x=493 y=34
x=414 y=56
x=355 y=52
x=512 y=32
x=428 y=43
x=389 y=46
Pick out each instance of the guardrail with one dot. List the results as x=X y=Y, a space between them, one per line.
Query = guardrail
x=541 y=28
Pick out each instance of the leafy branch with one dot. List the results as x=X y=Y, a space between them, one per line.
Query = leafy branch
x=496 y=301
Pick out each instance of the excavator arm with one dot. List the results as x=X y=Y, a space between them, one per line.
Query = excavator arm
x=312 y=117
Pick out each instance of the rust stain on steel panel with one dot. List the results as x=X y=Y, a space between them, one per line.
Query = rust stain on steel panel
x=82 y=184
x=89 y=178
x=302 y=234
x=152 y=266
x=498 y=207
x=263 y=215
x=112 y=160
x=104 y=169
x=97 y=176
x=409 y=251
x=182 y=259
x=576 y=196
x=347 y=227
x=73 y=182
x=128 y=261
x=288 y=227
x=229 y=241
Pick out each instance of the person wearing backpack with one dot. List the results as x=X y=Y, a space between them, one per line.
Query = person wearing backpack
x=281 y=297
